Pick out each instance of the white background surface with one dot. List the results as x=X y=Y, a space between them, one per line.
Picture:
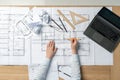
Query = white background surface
x=61 y=2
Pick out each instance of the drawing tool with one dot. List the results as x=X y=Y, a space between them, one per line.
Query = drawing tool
x=54 y=27
x=62 y=24
x=73 y=15
x=73 y=38
x=64 y=73
x=66 y=19
x=57 y=24
x=61 y=78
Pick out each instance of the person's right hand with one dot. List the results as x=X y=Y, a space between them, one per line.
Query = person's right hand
x=74 y=45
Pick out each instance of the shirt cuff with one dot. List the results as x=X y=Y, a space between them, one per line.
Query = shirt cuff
x=75 y=56
x=46 y=61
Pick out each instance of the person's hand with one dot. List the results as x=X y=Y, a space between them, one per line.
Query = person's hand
x=74 y=45
x=51 y=50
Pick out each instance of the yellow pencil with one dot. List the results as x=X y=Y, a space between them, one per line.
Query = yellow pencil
x=73 y=38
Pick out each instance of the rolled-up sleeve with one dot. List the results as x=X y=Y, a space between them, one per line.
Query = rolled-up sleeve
x=75 y=66
x=42 y=70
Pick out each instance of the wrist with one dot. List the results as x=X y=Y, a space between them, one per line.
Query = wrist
x=49 y=57
x=74 y=51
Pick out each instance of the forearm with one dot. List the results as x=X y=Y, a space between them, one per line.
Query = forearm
x=76 y=74
x=43 y=68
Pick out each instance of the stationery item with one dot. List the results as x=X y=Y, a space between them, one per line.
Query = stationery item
x=64 y=73
x=73 y=38
x=35 y=27
x=23 y=28
x=56 y=24
x=75 y=21
x=60 y=13
x=54 y=28
x=45 y=17
x=61 y=78
x=62 y=24
x=22 y=25
x=14 y=48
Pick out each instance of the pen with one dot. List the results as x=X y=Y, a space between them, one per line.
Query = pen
x=56 y=24
x=64 y=73
x=54 y=27
x=62 y=24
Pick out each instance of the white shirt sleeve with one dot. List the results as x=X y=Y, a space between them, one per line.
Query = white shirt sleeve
x=43 y=68
x=42 y=71
x=75 y=66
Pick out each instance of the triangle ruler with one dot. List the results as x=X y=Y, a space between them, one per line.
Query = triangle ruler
x=66 y=19
x=76 y=21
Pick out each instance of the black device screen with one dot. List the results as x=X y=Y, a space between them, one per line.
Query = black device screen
x=110 y=16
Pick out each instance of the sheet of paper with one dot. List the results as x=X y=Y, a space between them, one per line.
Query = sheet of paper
x=12 y=47
x=89 y=52
x=102 y=56
x=86 y=49
x=16 y=49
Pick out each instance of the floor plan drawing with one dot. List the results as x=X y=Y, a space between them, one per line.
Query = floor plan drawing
x=88 y=51
x=86 y=47
x=23 y=43
x=17 y=48
x=12 y=47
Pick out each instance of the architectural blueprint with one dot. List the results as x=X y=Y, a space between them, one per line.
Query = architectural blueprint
x=20 y=46
x=88 y=51
x=86 y=46
x=12 y=46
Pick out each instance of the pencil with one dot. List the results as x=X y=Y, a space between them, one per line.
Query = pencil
x=73 y=38
x=62 y=24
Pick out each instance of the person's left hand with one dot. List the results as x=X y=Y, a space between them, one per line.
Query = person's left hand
x=51 y=50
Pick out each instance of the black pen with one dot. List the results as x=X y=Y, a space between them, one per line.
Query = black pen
x=56 y=24
x=62 y=24
x=64 y=73
x=54 y=27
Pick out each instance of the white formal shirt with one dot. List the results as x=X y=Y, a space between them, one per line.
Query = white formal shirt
x=75 y=68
